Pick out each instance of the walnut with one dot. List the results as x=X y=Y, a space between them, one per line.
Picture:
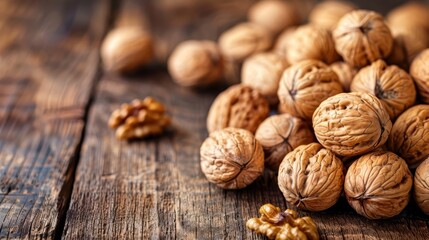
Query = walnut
x=411 y=14
x=421 y=186
x=345 y=74
x=311 y=177
x=304 y=86
x=126 y=49
x=391 y=85
x=283 y=225
x=196 y=63
x=139 y=119
x=410 y=135
x=262 y=72
x=243 y=40
x=398 y=55
x=274 y=15
x=361 y=37
x=231 y=158
x=351 y=124
x=419 y=70
x=378 y=185
x=413 y=38
x=279 y=135
x=310 y=42
x=281 y=44
x=239 y=106
x=327 y=14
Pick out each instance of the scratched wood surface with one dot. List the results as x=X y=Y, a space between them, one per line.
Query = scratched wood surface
x=64 y=175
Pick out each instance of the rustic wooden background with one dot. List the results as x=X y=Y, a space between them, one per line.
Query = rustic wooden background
x=64 y=175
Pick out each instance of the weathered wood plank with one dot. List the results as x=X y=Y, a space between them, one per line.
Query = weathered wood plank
x=48 y=61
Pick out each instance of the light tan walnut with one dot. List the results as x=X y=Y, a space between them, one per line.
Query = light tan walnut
x=419 y=70
x=410 y=135
x=362 y=37
x=378 y=185
x=310 y=42
x=311 y=177
x=244 y=40
x=391 y=85
x=281 y=44
x=411 y=14
x=238 y=106
x=421 y=186
x=231 y=158
x=196 y=63
x=327 y=14
x=279 y=135
x=262 y=72
x=304 y=86
x=413 y=38
x=345 y=74
x=351 y=124
x=398 y=55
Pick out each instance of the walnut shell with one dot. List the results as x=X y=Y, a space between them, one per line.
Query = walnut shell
x=279 y=135
x=345 y=74
x=304 y=86
x=327 y=14
x=421 y=186
x=126 y=49
x=231 y=158
x=378 y=185
x=398 y=55
x=310 y=42
x=281 y=44
x=195 y=63
x=419 y=70
x=351 y=124
x=243 y=40
x=274 y=15
x=262 y=72
x=410 y=14
x=238 y=106
x=410 y=135
x=361 y=37
x=413 y=38
x=391 y=85
x=311 y=177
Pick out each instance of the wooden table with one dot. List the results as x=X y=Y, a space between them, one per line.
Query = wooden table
x=64 y=175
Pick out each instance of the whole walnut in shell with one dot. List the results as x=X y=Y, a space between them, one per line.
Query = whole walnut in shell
x=262 y=72
x=351 y=124
x=345 y=74
x=243 y=40
x=279 y=135
x=362 y=37
x=391 y=85
x=327 y=14
x=419 y=70
x=411 y=14
x=413 y=39
x=281 y=45
x=378 y=185
x=410 y=135
x=311 y=177
x=310 y=42
x=274 y=15
x=304 y=86
x=398 y=55
x=421 y=186
x=195 y=63
x=238 y=106
x=231 y=158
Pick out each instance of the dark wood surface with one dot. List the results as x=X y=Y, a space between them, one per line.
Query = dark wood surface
x=64 y=175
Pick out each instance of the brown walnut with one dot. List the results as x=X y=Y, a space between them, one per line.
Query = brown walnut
x=231 y=158
x=327 y=14
x=311 y=177
x=419 y=70
x=361 y=37
x=398 y=55
x=238 y=106
x=195 y=63
x=345 y=74
x=413 y=38
x=279 y=135
x=351 y=124
x=421 y=186
x=304 y=86
x=286 y=225
x=391 y=85
x=411 y=14
x=378 y=185
x=281 y=44
x=410 y=135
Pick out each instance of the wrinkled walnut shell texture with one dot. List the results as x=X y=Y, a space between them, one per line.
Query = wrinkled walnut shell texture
x=345 y=74
x=351 y=124
x=311 y=177
x=279 y=135
x=419 y=70
x=231 y=158
x=239 y=106
x=304 y=86
x=327 y=14
x=421 y=186
x=410 y=135
x=378 y=185
x=391 y=85
x=362 y=37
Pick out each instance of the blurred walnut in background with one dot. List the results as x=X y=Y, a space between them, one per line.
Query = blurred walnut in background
x=413 y=38
x=327 y=14
x=281 y=45
x=412 y=15
x=419 y=70
x=421 y=186
x=345 y=74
